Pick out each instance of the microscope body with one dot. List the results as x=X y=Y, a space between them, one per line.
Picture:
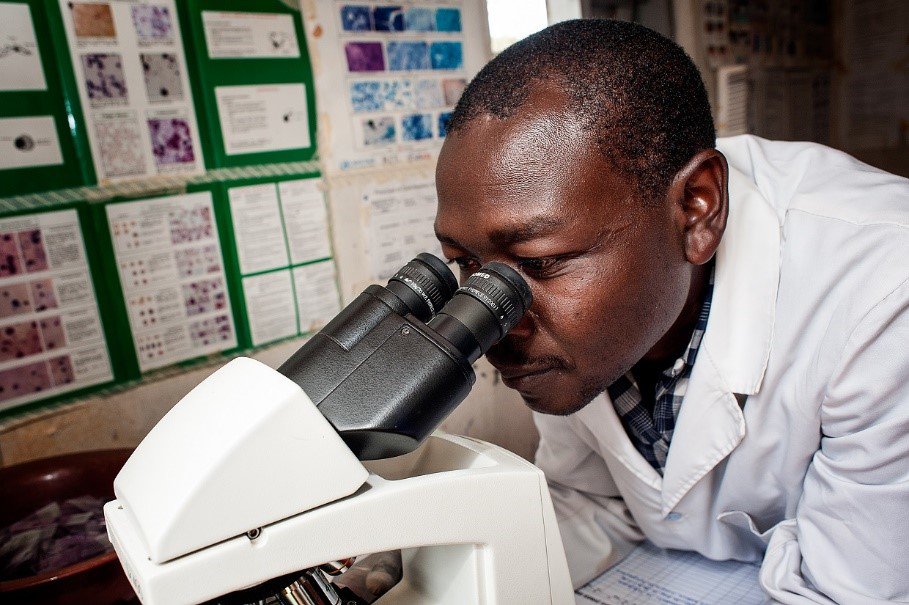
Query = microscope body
x=245 y=480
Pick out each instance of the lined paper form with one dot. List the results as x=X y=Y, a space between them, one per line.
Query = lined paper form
x=653 y=576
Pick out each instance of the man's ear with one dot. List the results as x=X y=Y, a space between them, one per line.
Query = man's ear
x=701 y=204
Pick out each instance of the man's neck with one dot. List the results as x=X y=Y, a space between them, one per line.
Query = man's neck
x=674 y=343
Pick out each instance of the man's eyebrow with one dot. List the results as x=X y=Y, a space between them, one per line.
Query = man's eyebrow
x=504 y=236
x=534 y=227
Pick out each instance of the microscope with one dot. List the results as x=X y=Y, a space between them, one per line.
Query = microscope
x=261 y=484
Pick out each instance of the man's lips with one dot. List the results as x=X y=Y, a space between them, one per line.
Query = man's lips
x=519 y=376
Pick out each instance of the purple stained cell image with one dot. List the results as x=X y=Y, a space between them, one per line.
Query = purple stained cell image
x=364 y=56
x=33 y=254
x=14 y=300
x=104 y=79
x=162 y=77
x=61 y=370
x=9 y=255
x=210 y=331
x=19 y=340
x=355 y=18
x=172 y=141
x=43 y=294
x=52 y=329
x=408 y=56
x=197 y=261
x=24 y=380
x=190 y=224
x=204 y=296
x=416 y=127
x=152 y=22
x=388 y=18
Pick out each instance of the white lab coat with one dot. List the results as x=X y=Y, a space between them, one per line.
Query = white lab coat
x=792 y=443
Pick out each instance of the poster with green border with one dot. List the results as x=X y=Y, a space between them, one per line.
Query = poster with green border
x=280 y=255
x=57 y=333
x=252 y=81
x=165 y=261
x=41 y=139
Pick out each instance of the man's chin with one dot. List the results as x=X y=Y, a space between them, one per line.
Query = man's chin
x=554 y=406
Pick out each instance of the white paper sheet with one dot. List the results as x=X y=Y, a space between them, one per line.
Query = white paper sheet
x=29 y=142
x=653 y=576
x=249 y=35
x=20 y=58
x=398 y=219
x=52 y=340
x=258 y=229
x=270 y=306
x=263 y=118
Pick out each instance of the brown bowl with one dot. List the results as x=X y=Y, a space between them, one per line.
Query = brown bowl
x=33 y=485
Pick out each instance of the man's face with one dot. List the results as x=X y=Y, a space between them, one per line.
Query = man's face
x=607 y=269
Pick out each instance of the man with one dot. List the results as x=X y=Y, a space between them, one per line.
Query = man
x=716 y=354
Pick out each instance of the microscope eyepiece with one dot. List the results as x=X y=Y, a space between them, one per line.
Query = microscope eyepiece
x=483 y=310
x=397 y=360
x=424 y=285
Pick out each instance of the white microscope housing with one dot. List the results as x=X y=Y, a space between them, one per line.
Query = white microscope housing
x=245 y=480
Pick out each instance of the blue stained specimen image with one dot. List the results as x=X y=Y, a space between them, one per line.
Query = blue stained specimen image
x=367 y=96
x=388 y=18
x=379 y=131
x=398 y=94
x=448 y=20
x=447 y=55
x=416 y=127
x=419 y=20
x=407 y=56
x=355 y=18
x=444 y=118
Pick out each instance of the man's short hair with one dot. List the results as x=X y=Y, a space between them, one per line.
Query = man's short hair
x=636 y=91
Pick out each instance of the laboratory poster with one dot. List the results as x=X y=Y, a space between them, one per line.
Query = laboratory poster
x=41 y=141
x=29 y=142
x=51 y=335
x=398 y=218
x=255 y=81
x=170 y=264
x=283 y=256
x=392 y=73
x=131 y=74
x=20 y=57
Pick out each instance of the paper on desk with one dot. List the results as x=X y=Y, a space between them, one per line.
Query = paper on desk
x=651 y=576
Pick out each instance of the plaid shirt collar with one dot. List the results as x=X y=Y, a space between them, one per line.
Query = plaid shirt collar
x=652 y=433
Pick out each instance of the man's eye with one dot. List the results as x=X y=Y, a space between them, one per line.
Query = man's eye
x=465 y=263
x=540 y=267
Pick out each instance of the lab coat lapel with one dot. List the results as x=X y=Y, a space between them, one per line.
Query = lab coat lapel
x=736 y=345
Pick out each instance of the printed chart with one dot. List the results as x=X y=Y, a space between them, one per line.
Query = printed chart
x=130 y=70
x=394 y=72
x=288 y=275
x=51 y=339
x=172 y=275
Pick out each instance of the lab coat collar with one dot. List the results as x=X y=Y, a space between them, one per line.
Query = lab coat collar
x=732 y=357
x=736 y=346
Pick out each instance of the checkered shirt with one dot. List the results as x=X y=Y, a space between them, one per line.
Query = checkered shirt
x=651 y=434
